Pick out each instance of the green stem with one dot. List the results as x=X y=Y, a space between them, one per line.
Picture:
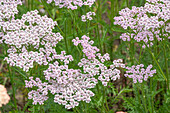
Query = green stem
x=47 y=9
x=85 y=109
x=65 y=38
x=98 y=18
x=127 y=1
x=32 y=4
x=151 y=89
x=64 y=34
x=132 y=52
x=140 y=55
x=112 y=11
x=166 y=65
x=157 y=64
x=29 y=5
x=137 y=94
x=98 y=36
x=76 y=110
x=144 y=99
x=13 y=86
x=106 y=100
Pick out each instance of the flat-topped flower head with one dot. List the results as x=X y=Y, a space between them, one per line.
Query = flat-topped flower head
x=69 y=86
x=89 y=50
x=8 y=8
x=147 y=23
x=138 y=73
x=93 y=62
x=30 y=40
x=88 y=16
x=72 y=4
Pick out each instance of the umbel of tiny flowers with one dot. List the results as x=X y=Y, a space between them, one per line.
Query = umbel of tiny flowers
x=138 y=73
x=68 y=85
x=93 y=63
x=4 y=97
x=30 y=40
x=8 y=8
x=146 y=28
x=88 y=16
x=72 y=4
x=89 y=50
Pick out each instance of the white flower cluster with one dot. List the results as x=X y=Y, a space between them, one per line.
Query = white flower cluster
x=4 y=97
x=88 y=16
x=145 y=22
x=138 y=73
x=31 y=40
x=68 y=85
x=72 y=4
x=96 y=67
x=8 y=8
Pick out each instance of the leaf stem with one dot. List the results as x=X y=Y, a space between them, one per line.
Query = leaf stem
x=13 y=86
x=166 y=65
x=157 y=64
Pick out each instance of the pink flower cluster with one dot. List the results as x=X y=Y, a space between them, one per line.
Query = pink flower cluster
x=8 y=8
x=30 y=39
x=145 y=27
x=88 y=16
x=72 y=4
x=95 y=67
x=4 y=97
x=88 y=49
x=68 y=85
x=138 y=73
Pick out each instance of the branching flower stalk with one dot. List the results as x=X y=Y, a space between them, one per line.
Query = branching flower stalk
x=31 y=41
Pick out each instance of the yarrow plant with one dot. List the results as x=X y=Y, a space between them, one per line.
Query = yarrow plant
x=138 y=73
x=8 y=8
x=144 y=26
x=70 y=86
x=31 y=40
x=88 y=16
x=4 y=97
x=33 y=45
x=72 y=4
x=94 y=63
x=89 y=50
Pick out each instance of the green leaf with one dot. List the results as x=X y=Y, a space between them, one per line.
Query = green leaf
x=24 y=75
x=154 y=93
x=117 y=29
